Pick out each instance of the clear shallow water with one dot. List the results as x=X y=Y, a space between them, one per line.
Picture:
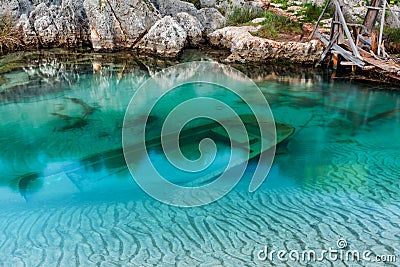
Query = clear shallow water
x=68 y=199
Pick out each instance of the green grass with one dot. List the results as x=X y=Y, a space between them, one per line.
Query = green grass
x=284 y=3
x=240 y=16
x=312 y=12
x=276 y=24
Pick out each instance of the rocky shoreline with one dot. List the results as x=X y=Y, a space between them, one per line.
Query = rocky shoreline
x=160 y=27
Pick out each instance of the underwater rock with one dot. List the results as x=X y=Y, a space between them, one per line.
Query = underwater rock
x=28 y=183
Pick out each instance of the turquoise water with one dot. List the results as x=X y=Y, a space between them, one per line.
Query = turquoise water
x=67 y=198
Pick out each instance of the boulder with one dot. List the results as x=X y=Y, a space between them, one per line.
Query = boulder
x=173 y=7
x=54 y=26
x=119 y=24
x=245 y=46
x=166 y=38
x=208 y=3
x=72 y=23
x=192 y=26
x=43 y=21
x=211 y=19
x=10 y=7
x=102 y=25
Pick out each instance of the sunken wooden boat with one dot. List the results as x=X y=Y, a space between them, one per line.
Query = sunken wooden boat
x=216 y=131
x=84 y=175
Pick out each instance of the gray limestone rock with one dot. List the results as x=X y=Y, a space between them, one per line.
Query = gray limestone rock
x=192 y=26
x=119 y=24
x=166 y=38
x=211 y=19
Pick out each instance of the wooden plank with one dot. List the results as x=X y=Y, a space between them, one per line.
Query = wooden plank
x=341 y=50
x=346 y=30
x=374 y=7
x=383 y=65
x=359 y=25
x=364 y=40
x=347 y=63
x=236 y=136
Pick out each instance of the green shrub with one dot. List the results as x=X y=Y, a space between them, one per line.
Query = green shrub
x=275 y=24
x=312 y=12
x=392 y=34
x=241 y=16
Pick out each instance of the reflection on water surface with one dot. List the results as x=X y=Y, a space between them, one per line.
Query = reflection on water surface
x=67 y=193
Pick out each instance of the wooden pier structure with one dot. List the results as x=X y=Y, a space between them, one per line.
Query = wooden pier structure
x=359 y=45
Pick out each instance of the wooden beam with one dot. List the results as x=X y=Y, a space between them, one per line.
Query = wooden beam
x=328 y=48
x=346 y=30
x=364 y=40
x=381 y=28
x=341 y=50
x=319 y=19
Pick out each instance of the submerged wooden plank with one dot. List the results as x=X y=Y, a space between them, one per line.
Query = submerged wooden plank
x=236 y=135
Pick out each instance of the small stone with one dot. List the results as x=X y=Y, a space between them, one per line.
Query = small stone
x=258 y=20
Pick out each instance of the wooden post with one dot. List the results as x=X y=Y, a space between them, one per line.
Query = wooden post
x=353 y=69
x=374 y=42
x=381 y=29
x=372 y=15
x=335 y=60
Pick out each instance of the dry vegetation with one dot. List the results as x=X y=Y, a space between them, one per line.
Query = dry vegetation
x=10 y=38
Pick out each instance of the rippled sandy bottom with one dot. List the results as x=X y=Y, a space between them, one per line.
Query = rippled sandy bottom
x=354 y=196
x=227 y=233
